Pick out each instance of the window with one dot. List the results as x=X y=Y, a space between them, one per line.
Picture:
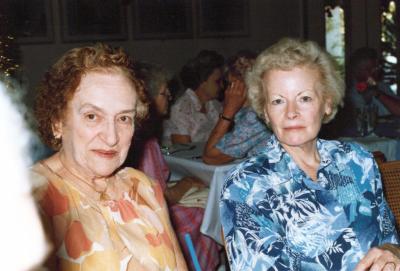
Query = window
x=335 y=34
x=389 y=37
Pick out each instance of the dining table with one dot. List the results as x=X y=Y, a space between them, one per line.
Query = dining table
x=185 y=160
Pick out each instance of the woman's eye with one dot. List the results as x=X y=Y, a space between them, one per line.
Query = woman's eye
x=306 y=99
x=276 y=101
x=126 y=119
x=91 y=117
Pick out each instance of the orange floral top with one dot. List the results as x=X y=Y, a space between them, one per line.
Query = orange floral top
x=130 y=232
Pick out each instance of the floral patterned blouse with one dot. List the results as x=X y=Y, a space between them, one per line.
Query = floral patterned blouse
x=275 y=217
x=248 y=136
x=130 y=232
x=187 y=119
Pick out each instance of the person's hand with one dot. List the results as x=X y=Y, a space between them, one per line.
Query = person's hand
x=382 y=258
x=194 y=182
x=235 y=96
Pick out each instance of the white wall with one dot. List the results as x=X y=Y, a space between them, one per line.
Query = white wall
x=269 y=21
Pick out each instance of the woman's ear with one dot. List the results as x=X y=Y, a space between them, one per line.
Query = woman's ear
x=57 y=129
x=328 y=106
x=266 y=115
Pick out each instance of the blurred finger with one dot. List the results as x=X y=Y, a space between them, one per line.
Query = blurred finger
x=390 y=266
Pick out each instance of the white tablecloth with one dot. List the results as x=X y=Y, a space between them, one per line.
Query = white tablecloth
x=188 y=163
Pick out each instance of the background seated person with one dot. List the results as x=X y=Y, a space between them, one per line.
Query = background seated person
x=367 y=88
x=98 y=215
x=304 y=203
x=239 y=131
x=196 y=112
x=147 y=157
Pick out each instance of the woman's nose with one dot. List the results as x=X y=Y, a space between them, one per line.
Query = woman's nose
x=292 y=112
x=110 y=133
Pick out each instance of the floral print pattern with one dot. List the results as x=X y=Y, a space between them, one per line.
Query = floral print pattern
x=248 y=136
x=275 y=217
x=187 y=118
x=131 y=232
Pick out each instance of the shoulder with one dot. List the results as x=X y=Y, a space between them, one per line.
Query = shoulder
x=248 y=172
x=137 y=176
x=39 y=176
x=343 y=148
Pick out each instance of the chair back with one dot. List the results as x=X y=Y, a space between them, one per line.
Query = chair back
x=390 y=172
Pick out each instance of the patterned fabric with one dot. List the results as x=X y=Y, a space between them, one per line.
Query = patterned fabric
x=248 y=136
x=130 y=232
x=275 y=217
x=186 y=118
x=184 y=219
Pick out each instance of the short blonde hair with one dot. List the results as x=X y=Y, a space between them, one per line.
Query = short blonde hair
x=288 y=54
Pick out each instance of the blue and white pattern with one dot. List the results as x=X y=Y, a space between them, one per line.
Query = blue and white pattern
x=275 y=217
x=248 y=136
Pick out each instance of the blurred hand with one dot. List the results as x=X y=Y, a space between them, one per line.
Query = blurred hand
x=380 y=259
x=235 y=96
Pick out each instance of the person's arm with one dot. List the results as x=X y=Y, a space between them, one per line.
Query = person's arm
x=392 y=104
x=235 y=97
x=387 y=255
x=180 y=139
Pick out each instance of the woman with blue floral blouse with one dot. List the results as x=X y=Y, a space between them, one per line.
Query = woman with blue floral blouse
x=305 y=203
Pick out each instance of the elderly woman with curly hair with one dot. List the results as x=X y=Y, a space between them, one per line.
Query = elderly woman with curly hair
x=305 y=203
x=98 y=215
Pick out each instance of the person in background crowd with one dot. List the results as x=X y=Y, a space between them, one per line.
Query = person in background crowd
x=196 y=112
x=98 y=215
x=23 y=245
x=366 y=87
x=185 y=217
x=239 y=132
x=305 y=203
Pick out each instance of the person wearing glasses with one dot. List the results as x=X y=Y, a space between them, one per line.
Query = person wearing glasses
x=366 y=87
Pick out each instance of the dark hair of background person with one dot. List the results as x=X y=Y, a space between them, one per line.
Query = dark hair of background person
x=231 y=61
x=198 y=69
x=60 y=83
x=362 y=54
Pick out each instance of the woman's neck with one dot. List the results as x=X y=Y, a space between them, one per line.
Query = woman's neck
x=203 y=97
x=306 y=157
x=95 y=184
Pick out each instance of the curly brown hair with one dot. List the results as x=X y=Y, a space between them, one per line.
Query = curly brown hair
x=61 y=81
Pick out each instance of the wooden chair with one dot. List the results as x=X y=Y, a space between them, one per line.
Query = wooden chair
x=390 y=172
x=379 y=157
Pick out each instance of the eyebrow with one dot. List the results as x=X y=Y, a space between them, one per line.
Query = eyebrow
x=133 y=110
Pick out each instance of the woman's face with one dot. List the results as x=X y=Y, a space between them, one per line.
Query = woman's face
x=213 y=84
x=294 y=106
x=98 y=124
x=161 y=101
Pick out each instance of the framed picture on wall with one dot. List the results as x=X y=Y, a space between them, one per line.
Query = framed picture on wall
x=93 y=20
x=167 y=19
x=219 y=18
x=29 y=21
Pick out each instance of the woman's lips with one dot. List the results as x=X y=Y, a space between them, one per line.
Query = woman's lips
x=105 y=153
x=294 y=127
